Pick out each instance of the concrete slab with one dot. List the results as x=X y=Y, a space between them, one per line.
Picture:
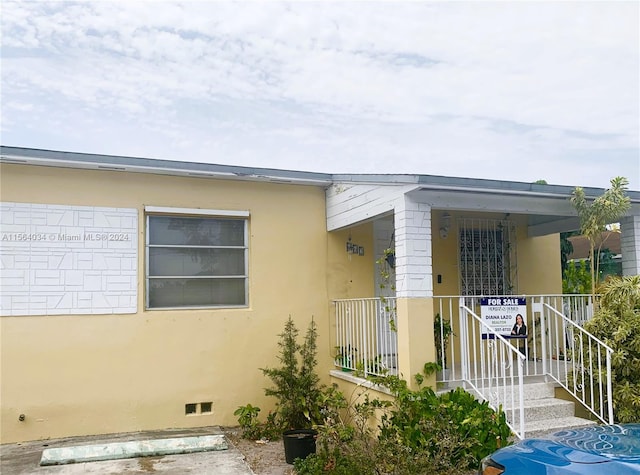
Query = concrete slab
x=24 y=458
x=132 y=449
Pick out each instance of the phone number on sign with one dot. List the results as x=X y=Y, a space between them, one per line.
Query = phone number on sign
x=50 y=237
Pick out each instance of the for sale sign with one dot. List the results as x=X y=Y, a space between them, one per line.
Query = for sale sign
x=500 y=313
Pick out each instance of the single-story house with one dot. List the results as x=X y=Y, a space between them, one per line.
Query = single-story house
x=141 y=294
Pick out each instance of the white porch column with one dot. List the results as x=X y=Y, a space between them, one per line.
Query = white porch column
x=414 y=288
x=413 y=249
x=630 y=245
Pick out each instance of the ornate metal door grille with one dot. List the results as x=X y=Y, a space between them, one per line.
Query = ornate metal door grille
x=487 y=257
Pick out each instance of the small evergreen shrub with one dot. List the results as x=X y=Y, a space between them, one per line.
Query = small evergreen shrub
x=301 y=401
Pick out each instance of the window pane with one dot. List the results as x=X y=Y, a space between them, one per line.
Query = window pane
x=196 y=231
x=193 y=262
x=195 y=292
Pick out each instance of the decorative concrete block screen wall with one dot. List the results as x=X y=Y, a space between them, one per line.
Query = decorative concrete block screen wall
x=65 y=260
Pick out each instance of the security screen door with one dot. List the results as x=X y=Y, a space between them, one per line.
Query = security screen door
x=487 y=257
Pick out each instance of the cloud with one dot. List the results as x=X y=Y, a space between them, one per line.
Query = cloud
x=417 y=87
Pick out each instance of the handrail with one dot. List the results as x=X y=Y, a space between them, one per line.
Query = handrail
x=493 y=370
x=578 y=368
x=557 y=346
x=576 y=307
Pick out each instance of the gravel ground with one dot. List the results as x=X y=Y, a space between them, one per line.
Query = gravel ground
x=263 y=458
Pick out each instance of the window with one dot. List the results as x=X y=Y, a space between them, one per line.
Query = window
x=196 y=261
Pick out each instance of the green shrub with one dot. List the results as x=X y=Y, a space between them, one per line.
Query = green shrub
x=346 y=444
x=301 y=401
x=252 y=428
x=420 y=432
x=451 y=430
x=616 y=323
x=576 y=278
x=295 y=383
x=248 y=420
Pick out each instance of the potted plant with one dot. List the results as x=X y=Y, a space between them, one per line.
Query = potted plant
x=296 y=386
x=442 y=331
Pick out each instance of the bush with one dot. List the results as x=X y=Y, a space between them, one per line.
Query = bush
x=345 y=445
x=616 y=323
x=576 y=278
x=420 y=432
x=296 y=384
x=301 y=401
x=451 y=431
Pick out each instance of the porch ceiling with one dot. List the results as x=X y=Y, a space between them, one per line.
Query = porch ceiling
x=548 y=207
x=547 y=214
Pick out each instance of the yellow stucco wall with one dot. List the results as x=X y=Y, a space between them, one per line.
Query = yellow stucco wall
x=348 y=276
x=351 y=276
x=90 y=374
x=356 y=391
x=445 y=257
x=415 y=338
x=539 y=264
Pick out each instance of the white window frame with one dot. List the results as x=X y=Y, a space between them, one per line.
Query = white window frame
x=192 y=212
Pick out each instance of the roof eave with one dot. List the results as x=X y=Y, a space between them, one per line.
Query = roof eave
x=50 y=158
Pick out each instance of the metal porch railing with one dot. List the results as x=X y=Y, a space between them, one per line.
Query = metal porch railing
x=492 y=368
x=557 y=347
x=576 y=307
x=366 y=340
x=578 y=361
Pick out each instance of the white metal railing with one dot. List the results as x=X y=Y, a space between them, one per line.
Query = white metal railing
x=556 y=345
x=445 y=311
x=492 y=367
x=578 y=361
x=366 y=340
x=576 y=307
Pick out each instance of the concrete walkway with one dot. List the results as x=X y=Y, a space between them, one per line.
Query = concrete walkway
x=24 y=458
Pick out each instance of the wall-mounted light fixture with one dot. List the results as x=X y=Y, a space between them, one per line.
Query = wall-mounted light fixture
x=445 y=225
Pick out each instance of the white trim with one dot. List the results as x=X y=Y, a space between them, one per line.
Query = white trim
x=359 y=382
x=197 y=211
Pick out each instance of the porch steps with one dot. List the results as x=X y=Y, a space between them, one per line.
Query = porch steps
x=543 y=412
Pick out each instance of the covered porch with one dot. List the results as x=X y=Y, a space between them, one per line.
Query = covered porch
x=452 y=242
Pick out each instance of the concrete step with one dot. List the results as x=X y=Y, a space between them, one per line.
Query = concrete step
x=531 y=391
x=543 y=427
x=543 y=413
x=132 y=449
x=543 y=409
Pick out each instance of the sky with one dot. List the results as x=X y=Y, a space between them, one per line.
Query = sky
x=507 y=90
